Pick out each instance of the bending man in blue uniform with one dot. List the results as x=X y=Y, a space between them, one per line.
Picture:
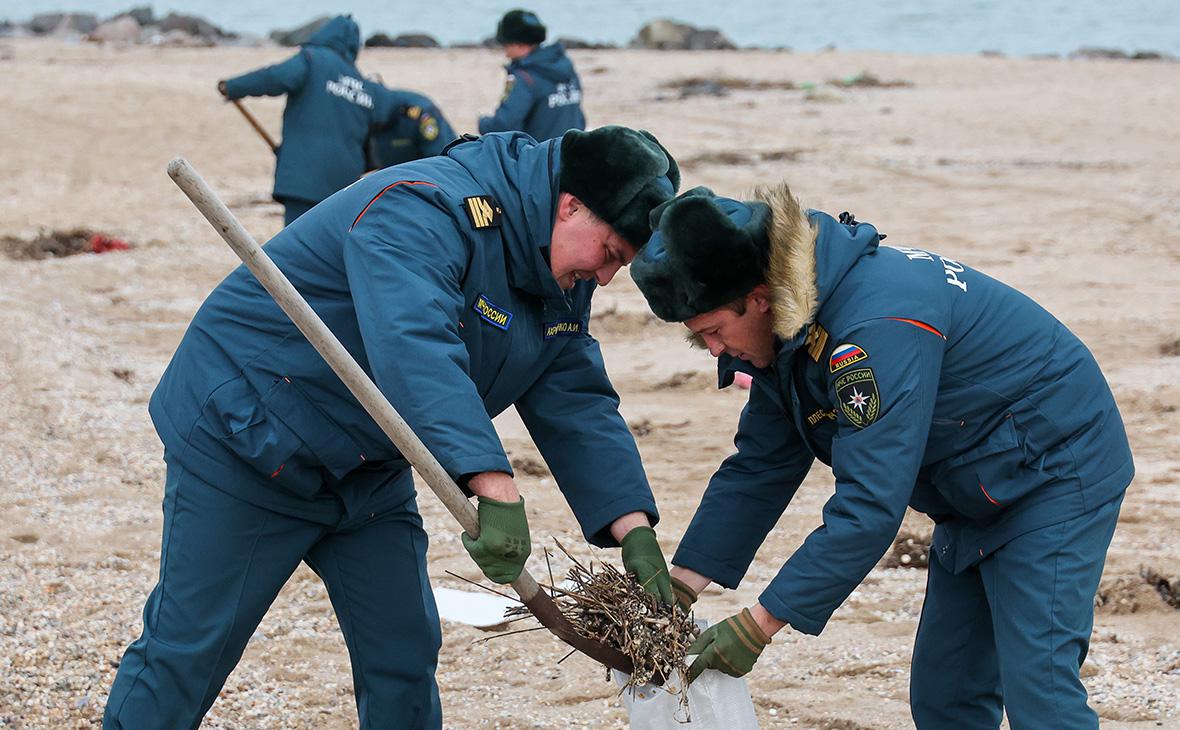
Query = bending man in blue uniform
x=408 y=126
x=921 y=382
x=327 y=119
x=543 y=96
x=462 y=285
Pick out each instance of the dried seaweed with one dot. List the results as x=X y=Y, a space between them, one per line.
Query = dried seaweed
x=612 y=607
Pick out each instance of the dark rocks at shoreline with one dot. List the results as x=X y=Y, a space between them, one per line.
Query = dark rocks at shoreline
x=62 y=24
x=670 y=35
x=404 y=40
x=581 y=45
x=1117 y=54
x=300 y=34
x=470 y=45
x=194 y=26
x=142 y=15
x=137 y=25
x=178 y=29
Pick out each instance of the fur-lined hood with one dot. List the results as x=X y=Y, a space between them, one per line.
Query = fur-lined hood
x=790 y=274
x=810 y=252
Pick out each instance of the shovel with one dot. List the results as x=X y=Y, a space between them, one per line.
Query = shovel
x=274 y=146
x=374 y=402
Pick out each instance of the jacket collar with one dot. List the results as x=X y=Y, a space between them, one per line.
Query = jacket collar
x=522 y=176
x=810 y=254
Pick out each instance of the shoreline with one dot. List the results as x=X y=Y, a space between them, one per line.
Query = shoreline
x=139 y=25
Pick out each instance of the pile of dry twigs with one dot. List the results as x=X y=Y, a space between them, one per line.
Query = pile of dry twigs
x=612 y=608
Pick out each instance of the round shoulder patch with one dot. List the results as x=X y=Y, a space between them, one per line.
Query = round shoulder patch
x=428 y=128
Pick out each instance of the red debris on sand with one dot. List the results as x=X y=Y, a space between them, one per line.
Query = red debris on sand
x=58 y=244
x=102 y=243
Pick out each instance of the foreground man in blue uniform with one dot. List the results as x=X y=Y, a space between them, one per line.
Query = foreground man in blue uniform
x=327 y=119
x=409 y=126
x=919 y=381
x=462 y=285
x=543 y=96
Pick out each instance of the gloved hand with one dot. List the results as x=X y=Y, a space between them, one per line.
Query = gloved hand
x=642 y=557
x=503 y=545
x=731 y=646
x=221 y=89
x=685 y=595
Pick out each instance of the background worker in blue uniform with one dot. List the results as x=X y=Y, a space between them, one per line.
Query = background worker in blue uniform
x=543 y=96
x=920 y=381
x=327 y=119
x=408 y=126
x=462 y=284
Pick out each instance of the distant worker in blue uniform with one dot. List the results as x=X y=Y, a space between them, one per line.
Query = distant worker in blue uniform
x=461 y=284
x=409 y=126
x=920 y=382
x=330 y=110
x=543 y=96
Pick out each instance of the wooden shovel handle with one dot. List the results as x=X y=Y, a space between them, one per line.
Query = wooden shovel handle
x=274 y=146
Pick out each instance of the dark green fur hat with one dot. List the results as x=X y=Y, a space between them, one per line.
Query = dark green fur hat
x=621 y=174
x=520 y=26
x=706 y=252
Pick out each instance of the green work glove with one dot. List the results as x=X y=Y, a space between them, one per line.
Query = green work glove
x=642 y=557
x=685 y=595
x=731 y=646
x=503 y=543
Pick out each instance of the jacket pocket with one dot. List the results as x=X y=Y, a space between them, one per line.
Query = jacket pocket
x=982 y=481
x=332 y=445
x=237 y=418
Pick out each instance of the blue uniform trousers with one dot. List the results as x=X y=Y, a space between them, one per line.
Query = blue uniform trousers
x=1011 y=632
x=223 y=561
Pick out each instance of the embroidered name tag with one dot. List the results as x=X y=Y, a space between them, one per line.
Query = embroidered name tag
x=496 y=316
x=563 y=328
x=483 y=211
x=823 y=414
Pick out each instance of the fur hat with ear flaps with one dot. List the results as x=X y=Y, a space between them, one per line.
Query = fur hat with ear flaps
x=620 y=174
x=520 y=26
x=707 y=251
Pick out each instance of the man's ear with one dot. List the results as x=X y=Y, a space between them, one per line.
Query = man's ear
x=759 y=298
x=567 y=206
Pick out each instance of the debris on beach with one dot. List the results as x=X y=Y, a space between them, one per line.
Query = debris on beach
x=1149 y=591
x=58 y=244
x=721 y=86
x=867 y=80
x=611 y=320
x=612 y=608
x=686 y=380
x=910 y=550
x=741 y=157
x=529 y=466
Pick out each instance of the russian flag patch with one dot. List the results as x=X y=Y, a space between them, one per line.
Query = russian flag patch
x=845 y=355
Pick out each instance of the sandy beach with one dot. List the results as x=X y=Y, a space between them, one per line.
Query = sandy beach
x=1059 y=177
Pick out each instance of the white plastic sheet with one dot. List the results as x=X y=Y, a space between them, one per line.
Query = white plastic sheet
x=482 y=610
x=716 y=701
